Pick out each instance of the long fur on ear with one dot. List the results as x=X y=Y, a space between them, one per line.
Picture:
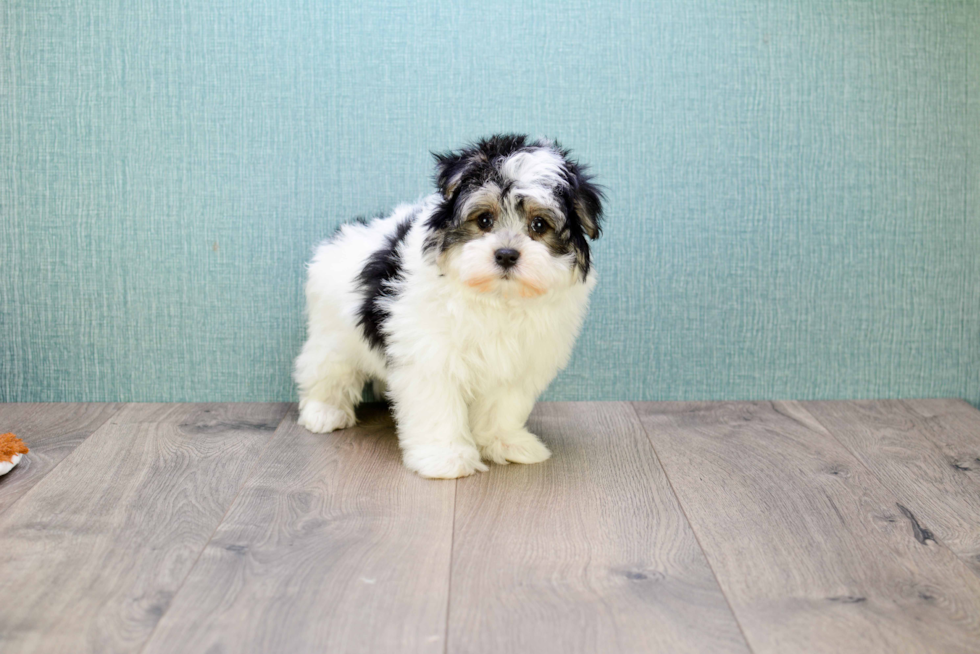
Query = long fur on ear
x=450 y=167
x=587 y=197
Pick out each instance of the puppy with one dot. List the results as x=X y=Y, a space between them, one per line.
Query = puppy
x=464 y=306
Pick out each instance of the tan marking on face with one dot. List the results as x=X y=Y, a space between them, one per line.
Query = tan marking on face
x=534 y=210
x=481 y=284
x=486 y=200
x=529 y=290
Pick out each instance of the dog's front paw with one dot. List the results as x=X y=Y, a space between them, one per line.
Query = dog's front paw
x=519 y=447
x=444 y=461
x=321 y=418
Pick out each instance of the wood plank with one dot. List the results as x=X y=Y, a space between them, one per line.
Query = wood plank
x=927 y=453
x=954 y=427
x=52 y=432
x=93 y=554
x=813 y=553
x=333 y=546
x=587 y=552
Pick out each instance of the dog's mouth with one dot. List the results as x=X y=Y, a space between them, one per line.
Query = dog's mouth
x=524 y=288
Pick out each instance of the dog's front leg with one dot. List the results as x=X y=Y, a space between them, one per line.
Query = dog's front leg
x=497 y=421
x=433 y=424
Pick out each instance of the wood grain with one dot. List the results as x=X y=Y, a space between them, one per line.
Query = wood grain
x=813 y=553
x=333 y=546
x=93 y=554
x=926 y=452
x=52 y=432
x=954 y=427
x=587 y=552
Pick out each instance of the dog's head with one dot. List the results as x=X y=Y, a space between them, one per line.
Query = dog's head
x=515 y=216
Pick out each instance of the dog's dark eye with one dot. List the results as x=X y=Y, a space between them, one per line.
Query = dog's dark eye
x=539 y=226
x=484 y=221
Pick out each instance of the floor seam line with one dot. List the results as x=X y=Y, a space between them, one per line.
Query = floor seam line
x=102 y=424
x=680 y=505
x=452 y=554
x=197 y=559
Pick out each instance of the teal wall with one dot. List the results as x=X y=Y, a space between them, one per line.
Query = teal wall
x=793 y=186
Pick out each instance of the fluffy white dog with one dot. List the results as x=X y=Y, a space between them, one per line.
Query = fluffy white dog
x=464 y=305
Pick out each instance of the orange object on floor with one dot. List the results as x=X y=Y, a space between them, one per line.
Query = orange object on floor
x=12 y=450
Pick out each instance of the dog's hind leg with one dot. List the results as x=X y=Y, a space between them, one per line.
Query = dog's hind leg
x=329 y=388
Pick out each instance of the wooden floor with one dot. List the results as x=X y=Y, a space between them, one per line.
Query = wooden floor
x=656 y=527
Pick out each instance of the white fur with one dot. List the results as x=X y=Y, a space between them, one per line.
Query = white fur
x=468 y=351
x=7 y=466
x=541 y=167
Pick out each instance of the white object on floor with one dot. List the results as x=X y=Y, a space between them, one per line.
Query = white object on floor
x=7 y=466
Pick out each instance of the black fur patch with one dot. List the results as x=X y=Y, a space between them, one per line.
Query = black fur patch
x=380 y=269
x=587 y=196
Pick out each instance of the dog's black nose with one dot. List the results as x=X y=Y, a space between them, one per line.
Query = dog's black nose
x=506 y=257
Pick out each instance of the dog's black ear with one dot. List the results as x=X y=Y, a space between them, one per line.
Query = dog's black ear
x=586 y=198
x=450 y=168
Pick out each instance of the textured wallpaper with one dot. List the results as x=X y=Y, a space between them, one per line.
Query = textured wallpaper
x=793 y=186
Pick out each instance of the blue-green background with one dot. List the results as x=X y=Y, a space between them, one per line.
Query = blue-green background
x=793 y=186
